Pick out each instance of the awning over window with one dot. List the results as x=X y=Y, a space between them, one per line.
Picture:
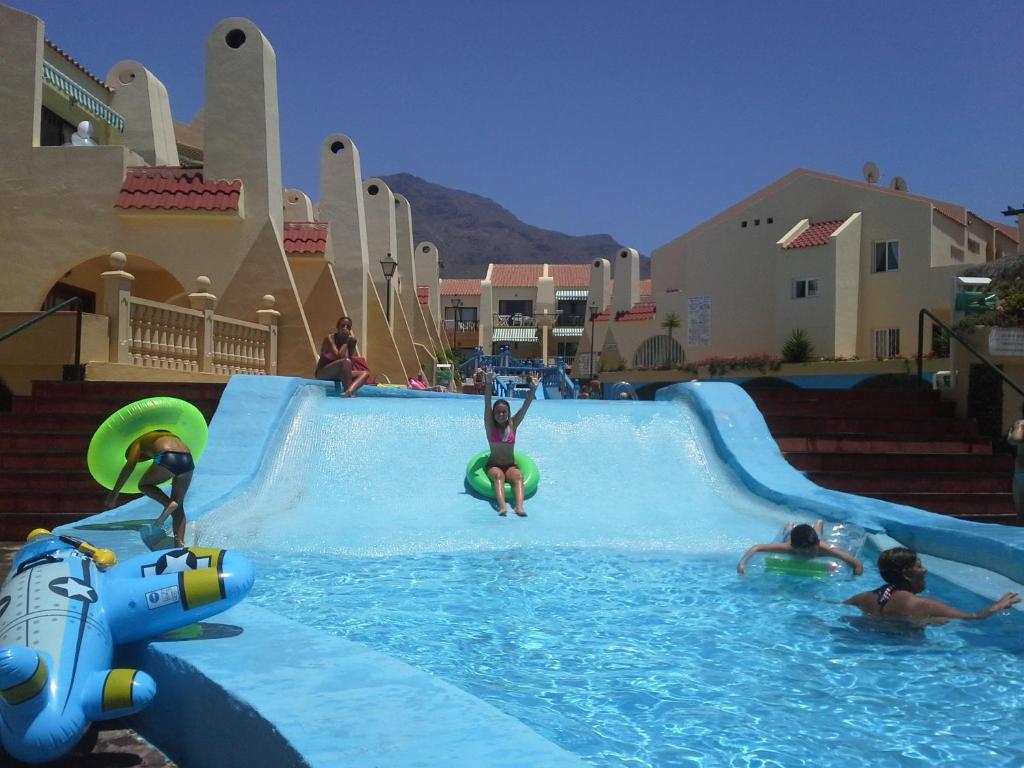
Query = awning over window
x=567 y=330
x=514 y=334
x=572 y=294
x=60 y=82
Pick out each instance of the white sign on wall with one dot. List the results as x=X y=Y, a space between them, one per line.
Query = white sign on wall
x=698 y=321
x=1006 y=342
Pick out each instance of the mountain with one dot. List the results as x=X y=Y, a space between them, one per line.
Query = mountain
x=470 y=231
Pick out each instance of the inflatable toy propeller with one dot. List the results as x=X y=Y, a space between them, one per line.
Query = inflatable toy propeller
x=63 y=608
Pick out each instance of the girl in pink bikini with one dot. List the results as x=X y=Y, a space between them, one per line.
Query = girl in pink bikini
x=335 y=363
x=501 y=428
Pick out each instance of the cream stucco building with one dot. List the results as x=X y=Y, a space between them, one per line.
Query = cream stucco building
x=850 y=263
x=537 y=311
x=222 y=270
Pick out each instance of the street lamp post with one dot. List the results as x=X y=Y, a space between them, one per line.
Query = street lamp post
x=456 y=317
x=593 y=316
x=388 y=266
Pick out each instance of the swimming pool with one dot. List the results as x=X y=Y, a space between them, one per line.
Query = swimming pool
x=661 y=659
x=611 y=621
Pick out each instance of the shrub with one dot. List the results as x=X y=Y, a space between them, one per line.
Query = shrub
x=798 y=347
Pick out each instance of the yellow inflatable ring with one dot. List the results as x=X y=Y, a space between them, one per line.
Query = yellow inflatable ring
x=128 y=424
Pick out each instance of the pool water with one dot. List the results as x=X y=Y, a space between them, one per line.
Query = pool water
x=612 y=620
x=663 y=659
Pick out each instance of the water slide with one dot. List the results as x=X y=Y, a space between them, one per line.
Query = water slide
x=292 y=475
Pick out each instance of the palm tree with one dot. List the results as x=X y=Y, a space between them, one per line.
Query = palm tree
x=670 y=323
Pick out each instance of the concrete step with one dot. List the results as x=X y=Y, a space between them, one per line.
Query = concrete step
x=63 y=480
x=99 y=407
x=1001 y=518
x=843 y=395
x=41 y=456
x=128 y=390
x=899 y=409
x=888 y=444
x=882 y=427
x=900 y=462
x=955 y=504
x=15 y=526
x=36 y=440
x=80 y=503
x=914 y=482
x=72 y=423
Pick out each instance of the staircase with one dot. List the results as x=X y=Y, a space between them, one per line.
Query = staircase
x=903 y=446
x=44 y=477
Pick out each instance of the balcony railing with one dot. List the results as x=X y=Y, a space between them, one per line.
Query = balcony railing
x=451 y=326
x=572 y=320
x=516 y=320
x=151 y=334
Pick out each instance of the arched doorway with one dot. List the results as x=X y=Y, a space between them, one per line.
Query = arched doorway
x=84 y=280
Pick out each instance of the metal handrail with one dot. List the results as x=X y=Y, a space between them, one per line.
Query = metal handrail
x=955 y=335
x=77 y=300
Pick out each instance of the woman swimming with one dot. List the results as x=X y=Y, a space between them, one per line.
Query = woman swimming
x=897 y=598
x=501 y=428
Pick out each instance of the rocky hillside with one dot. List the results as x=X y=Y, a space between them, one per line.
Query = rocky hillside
x=471 y=231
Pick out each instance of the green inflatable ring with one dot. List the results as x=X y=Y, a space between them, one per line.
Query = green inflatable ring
x=476 y=475
x=128 y=424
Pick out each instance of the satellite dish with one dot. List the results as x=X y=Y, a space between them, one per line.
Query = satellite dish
x=898 y=183
x=871 y=173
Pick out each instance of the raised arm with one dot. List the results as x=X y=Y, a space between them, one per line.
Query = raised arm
x=488 y=384
x=741 y=566
x=842 y=554
x=329 y=349
x=132 y=457
x=521 y=413
x=929 y=608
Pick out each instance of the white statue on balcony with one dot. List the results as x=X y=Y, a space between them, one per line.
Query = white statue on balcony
x=83 y=136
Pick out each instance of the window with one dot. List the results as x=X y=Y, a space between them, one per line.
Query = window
x=743 y=223
x=771 y=220
x=757 y=222
x=515 y=307
x=887 y=343
x=805 y=289
x=887 y=256
x=973 y=245
x=956 y=253
x=54 y=130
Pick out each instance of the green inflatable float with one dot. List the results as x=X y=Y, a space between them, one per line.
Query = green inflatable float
x=125 y=426
x=476 y=475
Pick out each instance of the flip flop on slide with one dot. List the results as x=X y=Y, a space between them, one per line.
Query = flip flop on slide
x=155 y=537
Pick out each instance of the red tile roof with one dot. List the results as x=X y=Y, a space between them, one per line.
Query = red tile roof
x=815 y=234
x=166 y=188
x=642 y=310
x=645 y=287
x=423 y=293
x=460 y=287
x=516 y=275
x=1006 y=229
x=302 y=237
x=65 y=54
x=570 y=275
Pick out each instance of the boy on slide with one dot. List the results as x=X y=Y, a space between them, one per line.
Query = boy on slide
x=172 y=460
x=805 y=541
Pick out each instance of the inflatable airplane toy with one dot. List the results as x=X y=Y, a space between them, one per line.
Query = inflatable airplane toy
x=63 y=608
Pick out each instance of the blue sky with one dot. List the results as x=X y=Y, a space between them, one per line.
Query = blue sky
x=637 y=119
